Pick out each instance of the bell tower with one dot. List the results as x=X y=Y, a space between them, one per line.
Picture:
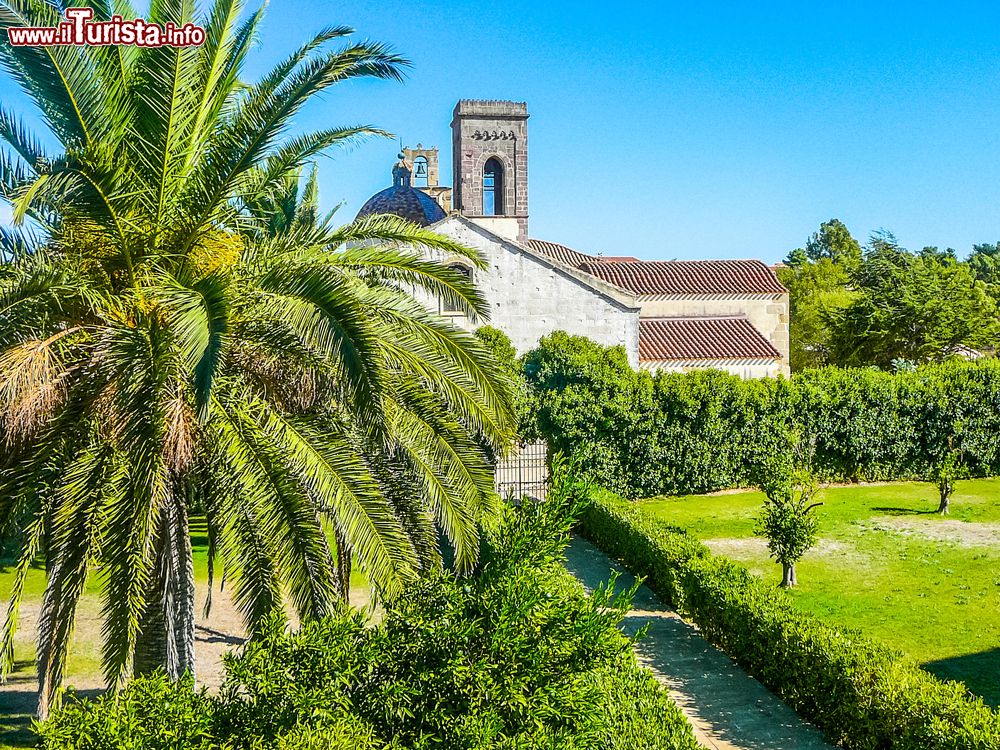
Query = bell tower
x=426 y=176
x=490 y=161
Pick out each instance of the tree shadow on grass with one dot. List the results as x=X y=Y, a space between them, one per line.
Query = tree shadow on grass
x=17 y=716
x=980 y=672
x=905 y=511
x=206 y=634
x=18 y=701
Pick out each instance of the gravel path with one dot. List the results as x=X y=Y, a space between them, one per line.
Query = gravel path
x=728 y=709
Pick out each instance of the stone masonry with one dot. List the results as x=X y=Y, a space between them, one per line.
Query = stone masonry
x=433 y=188
x=482 y=129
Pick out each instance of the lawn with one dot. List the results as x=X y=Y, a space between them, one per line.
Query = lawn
x=218 y=633
x=886 y=564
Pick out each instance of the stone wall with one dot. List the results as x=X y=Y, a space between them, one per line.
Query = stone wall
x=530 y=297
x=482 y=129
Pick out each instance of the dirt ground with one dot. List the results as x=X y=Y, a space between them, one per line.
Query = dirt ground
x=220 y=632
x=965 y=533
x=730 y=547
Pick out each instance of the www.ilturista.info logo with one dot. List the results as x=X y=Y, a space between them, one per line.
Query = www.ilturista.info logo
x=79 y=30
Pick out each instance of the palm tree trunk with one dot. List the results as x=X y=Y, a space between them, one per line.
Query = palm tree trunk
x=343 y=566
x=167 y=635
x=179 y=603
x=50 y=657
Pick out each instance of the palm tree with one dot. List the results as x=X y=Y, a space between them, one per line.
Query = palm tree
x=162 y=346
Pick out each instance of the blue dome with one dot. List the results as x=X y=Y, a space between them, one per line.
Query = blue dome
x=403 y=200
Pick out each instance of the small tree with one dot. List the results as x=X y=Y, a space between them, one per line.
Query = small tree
x=943 y=436
x=787 y=519
x=944 y=473
x=788 y=523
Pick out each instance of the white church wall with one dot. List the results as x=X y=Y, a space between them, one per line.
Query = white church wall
x=529 y=299
x=505 y=226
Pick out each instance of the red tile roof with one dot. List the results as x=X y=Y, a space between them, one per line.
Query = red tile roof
x=688 y=276
x=729 y=337
x=561 y=253
x=668 y=276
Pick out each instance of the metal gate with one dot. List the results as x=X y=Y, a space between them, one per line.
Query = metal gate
x=526 y=473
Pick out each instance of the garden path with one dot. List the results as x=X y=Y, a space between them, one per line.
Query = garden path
x=728 y=708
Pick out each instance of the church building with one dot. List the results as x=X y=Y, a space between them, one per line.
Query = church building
x=674 y=315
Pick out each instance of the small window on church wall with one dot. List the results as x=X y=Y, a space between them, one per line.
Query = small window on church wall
x=447 y=307
x=493 y=188
x=420 y=171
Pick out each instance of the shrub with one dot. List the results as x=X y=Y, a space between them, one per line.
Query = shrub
x=525 y=404
x=642 y=435
x=515 y=657
x=342 y=733
x=151 y=713
x=861 y=694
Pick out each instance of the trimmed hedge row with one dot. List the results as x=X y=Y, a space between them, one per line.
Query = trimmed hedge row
x=863 y=695
x=643 y=435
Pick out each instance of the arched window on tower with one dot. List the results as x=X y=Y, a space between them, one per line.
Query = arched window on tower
x=493 y=188
x=420 y=171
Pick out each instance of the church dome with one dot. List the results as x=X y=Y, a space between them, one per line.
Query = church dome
x=403 y=200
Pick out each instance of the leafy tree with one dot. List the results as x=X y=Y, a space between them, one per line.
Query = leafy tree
x=944 y=473
x=985 y=264
x=918 y=307
x=817 y=290
x=164 y=341
x=818 y=281
x=787 y=519
x=943 y=441
x=832 y=242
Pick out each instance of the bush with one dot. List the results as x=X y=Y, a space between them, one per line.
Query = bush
x=524 y=398
x=151 y=713
x=643 y=435
x=861 y=694
x=515 y=657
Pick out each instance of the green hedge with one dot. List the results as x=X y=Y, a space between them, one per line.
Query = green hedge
x=864 y=696
x=643 y=435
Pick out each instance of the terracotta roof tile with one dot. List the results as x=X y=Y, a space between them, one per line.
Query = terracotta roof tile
x=688 y=276
x=561 y=253
x=668 y=276
x=728 y=337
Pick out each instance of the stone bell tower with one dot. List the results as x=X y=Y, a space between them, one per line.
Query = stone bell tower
x=425 y=174
x=490 y=161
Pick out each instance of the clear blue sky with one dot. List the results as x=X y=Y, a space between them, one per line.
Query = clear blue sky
x=692 y=130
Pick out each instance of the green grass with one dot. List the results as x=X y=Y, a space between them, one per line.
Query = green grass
x=887 y=565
